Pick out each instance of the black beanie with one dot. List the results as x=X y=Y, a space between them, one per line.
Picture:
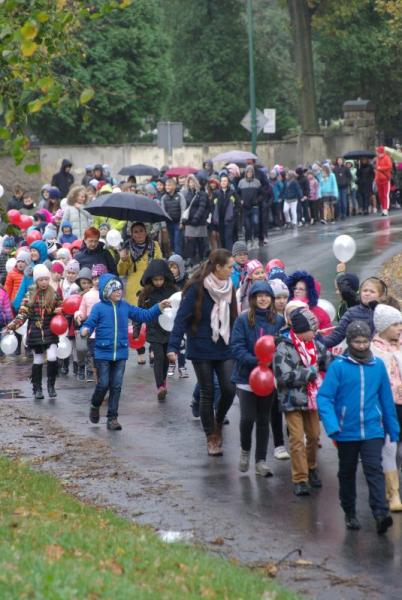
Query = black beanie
x=357 y=329
x=303 y=320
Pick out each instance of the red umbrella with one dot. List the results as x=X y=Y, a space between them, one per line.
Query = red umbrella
x=180 y=171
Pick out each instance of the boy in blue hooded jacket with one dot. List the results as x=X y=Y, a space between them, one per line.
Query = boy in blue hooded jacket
x=110 y=320
x=357 y=409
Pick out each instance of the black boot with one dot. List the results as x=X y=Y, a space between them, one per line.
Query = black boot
x=51 y=378
x=75 y=367
x=64 y=365
x=36 y=379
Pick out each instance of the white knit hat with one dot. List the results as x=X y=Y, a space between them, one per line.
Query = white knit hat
x=385 y=316
x=279 y=287
x=40 y=271
x=291 y=306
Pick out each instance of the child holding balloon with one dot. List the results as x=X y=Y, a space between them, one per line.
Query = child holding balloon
x=39 y=306
x=255 y=398
x=297 y=362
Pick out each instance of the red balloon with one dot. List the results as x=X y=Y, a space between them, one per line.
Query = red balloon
x=59 y=325
x=25 y=221
x=138 y=342
x=33 y=236
x=67 y=245
x=264 y=349
x=275 y=262
x=71 y=304
x=262 y=381
x=13 y=216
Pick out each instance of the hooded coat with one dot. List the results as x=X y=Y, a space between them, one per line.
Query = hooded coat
x=111 y=323
x=355 y=401
x=66 y=238
x=39 y=335
x=63 y=180
x=179 y=261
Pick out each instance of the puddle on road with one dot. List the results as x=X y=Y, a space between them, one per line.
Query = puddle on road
x=175 y=536
x=11 y=394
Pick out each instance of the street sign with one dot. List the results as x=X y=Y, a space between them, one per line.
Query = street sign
x=246 y=121
x=269 y=120
x=170 y=135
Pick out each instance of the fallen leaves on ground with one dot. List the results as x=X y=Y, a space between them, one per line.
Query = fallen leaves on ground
x=54 y=552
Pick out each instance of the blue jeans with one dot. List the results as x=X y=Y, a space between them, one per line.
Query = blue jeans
x=251 y=223
x=342 y=202
x=110 y=377
x=370 y=452
x=175 y=237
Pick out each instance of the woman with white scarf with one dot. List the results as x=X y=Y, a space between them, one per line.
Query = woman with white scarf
x=206 y=315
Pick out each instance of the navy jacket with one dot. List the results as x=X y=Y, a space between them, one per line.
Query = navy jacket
x=243 y=340
x=99 y=256
x=356 y=313
x=111 y=323
x=199 y=346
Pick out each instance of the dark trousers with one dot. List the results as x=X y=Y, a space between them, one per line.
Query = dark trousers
x=204 y=371
x=370 y=454
x=303 y=211
x=110 y=377
x=195 y=248
x=276 y=422
x=226 y=233
x=342 y=202
x=251 y=223
x=316 y=210
x=161 y=363
x=254 y=410
x=277 y=209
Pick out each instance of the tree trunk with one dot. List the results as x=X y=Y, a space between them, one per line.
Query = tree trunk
x=300 y=18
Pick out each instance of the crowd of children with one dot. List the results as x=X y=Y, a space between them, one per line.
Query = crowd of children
x=227 y=305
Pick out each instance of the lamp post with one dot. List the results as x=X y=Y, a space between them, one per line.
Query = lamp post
x=253 y=110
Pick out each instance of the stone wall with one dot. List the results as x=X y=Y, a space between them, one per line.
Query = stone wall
x=10 y=174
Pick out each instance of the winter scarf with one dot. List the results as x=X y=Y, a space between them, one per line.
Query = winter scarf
x=221 y=293
x=308 y=355
x=138 y=250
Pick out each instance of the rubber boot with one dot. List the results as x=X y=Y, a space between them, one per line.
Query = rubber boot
x=51 y=378
x=36 y=379
x=392 y=490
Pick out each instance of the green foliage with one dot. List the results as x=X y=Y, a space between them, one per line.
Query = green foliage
x=52 y=546
x=123 y=73
x=33 y=36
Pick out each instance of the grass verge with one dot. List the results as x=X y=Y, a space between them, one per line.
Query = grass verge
x=54 y=547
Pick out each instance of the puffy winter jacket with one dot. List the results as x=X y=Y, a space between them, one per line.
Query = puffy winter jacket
x=13 y=282
x=111 y=323
x=328 y=186
x=356 y=313
x=174 y=205
x=99 y=256
x=291 y=375
x=243 y=340
x=79 y=218
x=249 y=192
x=355 y=401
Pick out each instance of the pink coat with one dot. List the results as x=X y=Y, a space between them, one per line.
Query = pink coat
x=89 y=299
x=392 y=358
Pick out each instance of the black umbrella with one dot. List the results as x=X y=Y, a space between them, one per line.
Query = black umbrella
x=139 y=170
x=356 y=154
x=126 y=206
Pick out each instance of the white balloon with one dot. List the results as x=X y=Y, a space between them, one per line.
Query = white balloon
x=9 y=343
x=64 y=348
x=344 y=248
x=328 y=307
x=175 y=300
x=10 y=264
x=1 y=191
x=113 y=238
x=166 y=319
x=23 y=329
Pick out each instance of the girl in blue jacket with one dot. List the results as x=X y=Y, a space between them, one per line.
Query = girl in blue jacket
x=109 y=319
x=259 y=320
x=357 y=409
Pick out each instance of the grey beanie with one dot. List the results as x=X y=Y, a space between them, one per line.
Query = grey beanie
x=85 y=273
x=357 y=329
x=385 y=316
x=239 y=247
x=279 y=287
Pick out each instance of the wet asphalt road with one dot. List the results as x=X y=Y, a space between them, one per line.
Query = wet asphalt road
x=258 y=520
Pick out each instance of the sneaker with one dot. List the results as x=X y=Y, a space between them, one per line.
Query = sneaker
x=281 y=453
x=195 y=409
x=382 y=523
x=244 y=461
x=90 y=376
x=323 y=221
x=385 y=213
x=161 y=393
x=113 y=425
x=262 y=469
x=301 y=489
x=352 y=522
x=171 y=369
x=94 y=414
x=314 y=479
x=81 y=373
x=183 y=373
